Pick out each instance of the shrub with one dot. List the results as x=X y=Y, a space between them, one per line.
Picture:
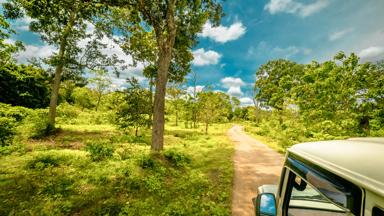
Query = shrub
x=7 y=131
x=36 y=124
x=177 y=158
x=43 y=161
x=67 y=111
x=100 y=150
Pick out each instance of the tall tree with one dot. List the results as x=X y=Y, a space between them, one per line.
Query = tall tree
x=63 y=24
x=175 y=25
x=6 y=48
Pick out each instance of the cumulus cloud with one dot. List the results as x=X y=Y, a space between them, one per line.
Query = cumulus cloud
x=30 y=51
x=339 y=34
x=191 y=89
x=246 y=101
x=202 y=57
x=372 y=53
x=23 y=23
x=233 y=85
x=295 y=7
x=223 y=34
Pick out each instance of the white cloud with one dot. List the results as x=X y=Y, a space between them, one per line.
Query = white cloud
x=295 y=7
x=339 y=34
x=372 y=53
x=191 y=89
x=223 y=34
x=202 y=57
x=35 y=51
x=246 y=101
x=264 y=50
x=232 y=82
x=233 y=85
x=23 y=23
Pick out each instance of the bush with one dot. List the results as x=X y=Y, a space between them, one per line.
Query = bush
x=36 y=124
x=7 y=131
x=43 y=161
x=178 y=159
x=100 y=150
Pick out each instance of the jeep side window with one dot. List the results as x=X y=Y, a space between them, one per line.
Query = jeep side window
x=377 y=212
x=306 y=200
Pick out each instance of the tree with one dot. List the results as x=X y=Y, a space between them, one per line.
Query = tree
x=101 y=84
x=175 y=94
x=83 y=97
x=24 y=85
x=63 y=24
x=174 y=25
x=213 y=106
x=274 y=81
x=136 y=107
x=7 y=49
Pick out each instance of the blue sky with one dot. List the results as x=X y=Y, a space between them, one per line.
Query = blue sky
x=255 y=31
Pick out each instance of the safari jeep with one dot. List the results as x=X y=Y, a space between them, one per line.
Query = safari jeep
x=344 y=177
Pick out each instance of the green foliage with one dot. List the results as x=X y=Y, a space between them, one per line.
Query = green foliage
x=177 y=158
x=135 y=110
x=100 y=150
x=43 y=161
x=23 y=85
x=7 y=127
x=83 y=97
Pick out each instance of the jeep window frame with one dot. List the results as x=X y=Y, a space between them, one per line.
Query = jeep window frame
x=299 y=166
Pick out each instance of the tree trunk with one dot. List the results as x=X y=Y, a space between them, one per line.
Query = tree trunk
x=136 y=130
x=56 y=86
x=159 y=103
x=151 y=100
x=164 y=61
x=98 y=102
x=59 y=70
x=206 y=127
x=177 y=117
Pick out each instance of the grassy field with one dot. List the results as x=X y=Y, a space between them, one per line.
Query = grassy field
x=99 y=170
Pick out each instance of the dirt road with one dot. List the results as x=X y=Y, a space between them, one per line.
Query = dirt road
x=255 y=164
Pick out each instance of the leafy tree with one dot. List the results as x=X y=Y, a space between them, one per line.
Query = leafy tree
x=83 y=97
x=213 y=107
x=174 y=25
x=274 y=81
x=24 y=85
x=175 y=94
x=63 y=24
x=136 y=107
x=101 y=84
x=6 y=48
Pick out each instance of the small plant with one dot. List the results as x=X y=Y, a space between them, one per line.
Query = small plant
x=43 y=161
x=7 y=133
x=177 y=158
x=99 y=151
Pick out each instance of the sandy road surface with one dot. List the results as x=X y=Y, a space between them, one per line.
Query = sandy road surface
x=255 y=164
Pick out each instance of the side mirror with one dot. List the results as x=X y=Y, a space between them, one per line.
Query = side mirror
x=265 y=204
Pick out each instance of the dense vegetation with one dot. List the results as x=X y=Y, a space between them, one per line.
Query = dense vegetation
x=335 y=99
x=71 y=144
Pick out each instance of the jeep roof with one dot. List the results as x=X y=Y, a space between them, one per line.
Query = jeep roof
x=359 y=160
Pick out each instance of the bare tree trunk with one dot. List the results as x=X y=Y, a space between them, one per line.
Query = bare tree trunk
x=151 y=99
x=206 y=127
x=177 y=117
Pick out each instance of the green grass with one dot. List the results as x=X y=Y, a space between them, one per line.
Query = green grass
x=57 y=176
x=254 y=131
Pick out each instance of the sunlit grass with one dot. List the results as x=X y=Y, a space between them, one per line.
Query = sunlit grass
x=56 y=175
